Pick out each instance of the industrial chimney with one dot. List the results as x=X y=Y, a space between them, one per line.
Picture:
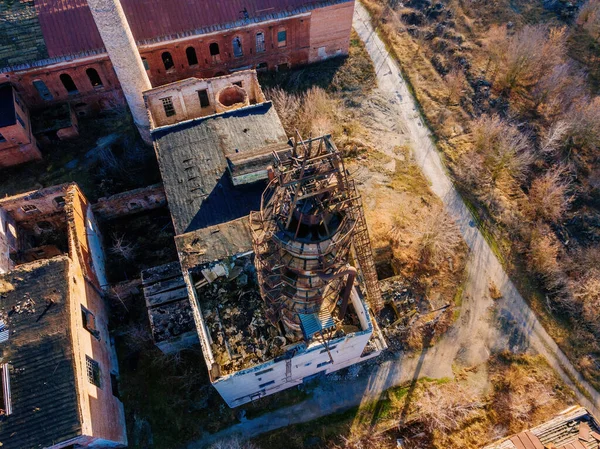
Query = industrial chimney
x=122 y=50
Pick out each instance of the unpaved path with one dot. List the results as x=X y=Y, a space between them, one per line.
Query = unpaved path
x=484 y=325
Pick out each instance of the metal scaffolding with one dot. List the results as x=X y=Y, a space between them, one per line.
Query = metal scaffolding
x=310 y=217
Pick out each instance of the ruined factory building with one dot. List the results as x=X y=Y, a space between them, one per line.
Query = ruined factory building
x=573 y=428
x=273 y=296
x=100 y=54
x=58 y=367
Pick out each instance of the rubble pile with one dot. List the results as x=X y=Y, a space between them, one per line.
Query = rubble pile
x=400 y=311
x=235 y=315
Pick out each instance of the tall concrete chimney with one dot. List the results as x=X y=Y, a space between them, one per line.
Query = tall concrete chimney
x=125 y=57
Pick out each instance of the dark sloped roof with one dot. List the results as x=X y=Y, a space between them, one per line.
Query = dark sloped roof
x=39 y=351
x=68 y=27
x=7 y=106
x=21 y=38
x=193 y=164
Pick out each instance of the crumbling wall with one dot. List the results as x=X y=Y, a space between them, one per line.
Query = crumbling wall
x=84 y=237
x=330 y=31
x=8 y=241
x=131 y=202
x=102 y=414
x=186 y=103
x=29 y=209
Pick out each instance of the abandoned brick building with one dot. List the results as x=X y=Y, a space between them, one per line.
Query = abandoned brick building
x=573 y=428
x=87 y=52
x=58 y=365
x=264 y=228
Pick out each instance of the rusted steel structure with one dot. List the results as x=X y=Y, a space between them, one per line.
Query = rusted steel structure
x=310 y=218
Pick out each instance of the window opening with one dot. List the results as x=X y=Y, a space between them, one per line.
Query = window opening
x=266 y=384
x=214 y=52
x=45 y=226
x=237 y=47
x=40 y=86
x=94 y=77
x=21 y=122
x=203 y=97
x=260 y=42
x=192 y=58
x=29 y=208
x=167 y=60
x=2 y=138
x=89 y=322
x=168 y=106
x=114 y=384
x=281 y=38
x=262 y=66
x=146 y=65
x=68 y=83
x=93 y=371
x=59 y=201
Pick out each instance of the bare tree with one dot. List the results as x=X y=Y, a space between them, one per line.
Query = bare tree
x=504 y=149
x=444 y=408
x=586 y=291
x=549 y=196
x=121 y=248
x=589 y=18
x=456 y=83
x=523 y=56
x=554 y=137
x=542 y=256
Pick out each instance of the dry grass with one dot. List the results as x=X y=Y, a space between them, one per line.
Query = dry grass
x=528 y=109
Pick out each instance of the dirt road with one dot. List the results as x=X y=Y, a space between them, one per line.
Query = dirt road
x=484 y=325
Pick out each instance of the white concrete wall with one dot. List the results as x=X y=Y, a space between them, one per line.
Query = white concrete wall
x=8 y=240
x=273 y=376
x=96 y=248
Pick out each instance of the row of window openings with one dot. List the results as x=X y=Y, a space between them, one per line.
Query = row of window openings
x=68 y=84
x=215 y=53
x=96 y=81
x=59 y=201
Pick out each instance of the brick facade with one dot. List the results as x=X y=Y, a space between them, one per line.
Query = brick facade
x=309 y=37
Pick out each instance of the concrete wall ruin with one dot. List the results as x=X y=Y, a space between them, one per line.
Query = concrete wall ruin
x=184 y=97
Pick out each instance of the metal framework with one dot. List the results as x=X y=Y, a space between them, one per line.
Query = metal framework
x=310 y=217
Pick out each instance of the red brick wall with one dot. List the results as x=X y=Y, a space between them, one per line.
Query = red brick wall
x=330 y=31
x=300 y=49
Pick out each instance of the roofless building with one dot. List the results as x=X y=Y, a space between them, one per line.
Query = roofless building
x=274 y=252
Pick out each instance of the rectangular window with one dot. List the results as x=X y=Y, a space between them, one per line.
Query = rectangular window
x=203 y=97
x=330 y=349
x=146 y=65
x=17 y=100
x=282 y=38
x=266 y=384
x=89 y=322
x=6 y=402
x=168 y=106
x=40 y=86
x=260 y=42
x=2 y=138
x=323 y=363
x=21 y=122
x=29 y=208
x=265 y=371
x=93 y=371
